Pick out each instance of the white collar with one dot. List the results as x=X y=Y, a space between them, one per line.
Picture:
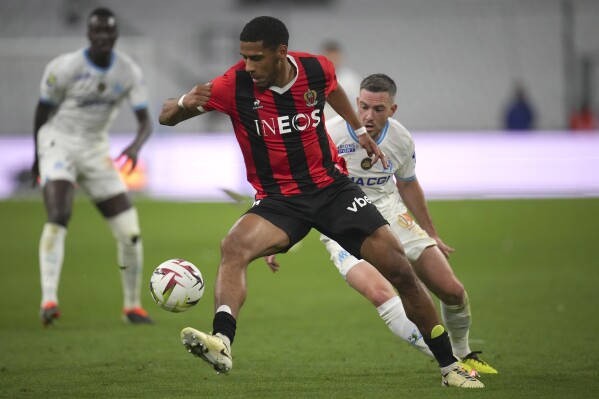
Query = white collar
x=281 y=90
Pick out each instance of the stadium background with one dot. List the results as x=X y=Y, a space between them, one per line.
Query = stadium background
x=529 y=264
x=455 y=63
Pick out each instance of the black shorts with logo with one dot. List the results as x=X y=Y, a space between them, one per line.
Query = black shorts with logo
x=341 y=211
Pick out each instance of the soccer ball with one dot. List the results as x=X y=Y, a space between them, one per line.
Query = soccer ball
x=176 y=285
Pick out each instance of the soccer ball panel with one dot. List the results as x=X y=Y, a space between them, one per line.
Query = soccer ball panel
x=176 y=285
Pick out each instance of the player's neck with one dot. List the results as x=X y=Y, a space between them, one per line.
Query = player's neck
x=376 y=136
x=100 y=59
x=288 y=74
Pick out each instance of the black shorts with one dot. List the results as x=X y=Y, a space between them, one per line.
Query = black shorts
x=341 y=211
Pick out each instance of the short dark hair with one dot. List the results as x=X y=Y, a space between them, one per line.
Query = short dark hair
x=101 y=13
x=271 y=31
x=379 y=82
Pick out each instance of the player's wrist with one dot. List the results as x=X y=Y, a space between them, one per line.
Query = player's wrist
x=360 y=131
x=180 y=102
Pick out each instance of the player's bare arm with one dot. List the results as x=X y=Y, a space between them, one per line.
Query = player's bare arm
x=340 y=103
x=176 y=110
x=144 y=130
x=413 y=197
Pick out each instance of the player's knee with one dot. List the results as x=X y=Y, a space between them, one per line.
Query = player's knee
x=378 y=295
x=454 y=294
x=125 y=227
x=233 y=248
x=59 y=216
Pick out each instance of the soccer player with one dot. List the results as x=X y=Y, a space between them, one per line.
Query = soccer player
x=395 y=191
x=275 y=99
x=80 y=95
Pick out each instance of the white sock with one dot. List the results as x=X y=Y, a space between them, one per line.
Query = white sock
x=125 y=229
x=457 y=320
x=224 y=308
x=394 y=315
x=51 y=254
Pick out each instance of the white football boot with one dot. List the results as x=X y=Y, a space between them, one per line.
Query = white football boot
x=458 y=377
x=214 y=349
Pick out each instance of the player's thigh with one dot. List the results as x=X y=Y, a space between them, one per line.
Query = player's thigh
x=280 y=215
x=383 y=250
x=434 y=270
x=359 y=274
x=413 y=238
x=56 y=157
x=252 y=237
x=98 y=176
x=367 y=280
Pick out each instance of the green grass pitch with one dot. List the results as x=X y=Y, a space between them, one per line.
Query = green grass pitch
x=531 y=268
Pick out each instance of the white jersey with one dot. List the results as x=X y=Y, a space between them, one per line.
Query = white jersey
x=377 y=182
x=88 y=97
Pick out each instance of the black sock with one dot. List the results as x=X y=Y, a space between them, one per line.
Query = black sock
x=225 y=324
x=441 y=348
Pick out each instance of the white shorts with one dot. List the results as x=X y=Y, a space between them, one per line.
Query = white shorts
x=412 y=237
x=86 y=163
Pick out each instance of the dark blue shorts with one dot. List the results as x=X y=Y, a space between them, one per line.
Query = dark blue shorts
x=341 y=211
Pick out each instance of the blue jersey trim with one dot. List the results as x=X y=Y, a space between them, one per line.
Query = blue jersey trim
x=351 y=132
x=47 y=101
x=140 y=106
x=91 y=63
x=379 y=140
x=407 y=178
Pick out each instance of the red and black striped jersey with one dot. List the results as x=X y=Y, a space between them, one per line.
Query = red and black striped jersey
x=281 y=131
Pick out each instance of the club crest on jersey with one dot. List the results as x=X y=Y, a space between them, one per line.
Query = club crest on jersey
x=310 y=97
x=366 y=163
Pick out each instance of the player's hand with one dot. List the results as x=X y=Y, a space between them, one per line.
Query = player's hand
x=198 y=96
x=445 y=249
x=127 y=161
x=271 y=261
x=372 y=149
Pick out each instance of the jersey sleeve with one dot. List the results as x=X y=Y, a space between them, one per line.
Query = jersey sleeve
x=407 y=169
x=138 y=94
x=223 y=87
x=329 y=71
x=54 y=82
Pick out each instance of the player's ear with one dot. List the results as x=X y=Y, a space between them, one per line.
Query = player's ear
x=393 y=109
x=282 y=50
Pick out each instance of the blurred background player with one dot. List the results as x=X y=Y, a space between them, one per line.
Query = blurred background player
x=423 y=247
x=583 y=118
x=80 y=95
x=346 y=77
x=519 y=113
